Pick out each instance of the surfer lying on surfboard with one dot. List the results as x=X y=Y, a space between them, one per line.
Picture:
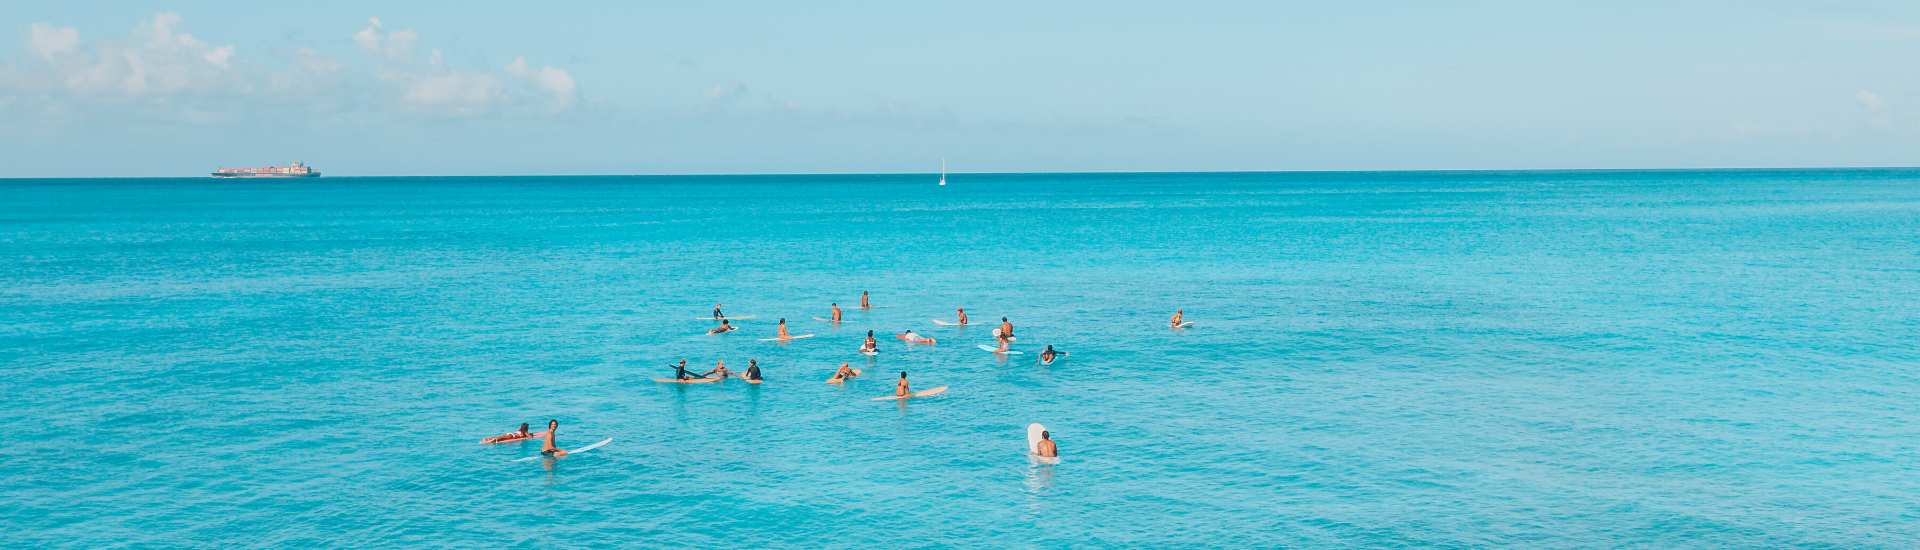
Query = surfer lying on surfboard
x=724 y=327
x=912 y=338
x=844 y=374
x=509 y=437
x=1049 y=355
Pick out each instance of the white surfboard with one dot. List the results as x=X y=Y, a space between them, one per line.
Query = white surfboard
x=1057 y=356
x=570 y=452
x=1185 y=325
x=873 y=353
x=794 y=337
x=825 y=320
x=996 y=349
x=921 y=393
x=946 y=323
x=729 y=318
x=1033 y=445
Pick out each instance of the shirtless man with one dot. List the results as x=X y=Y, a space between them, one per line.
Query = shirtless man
x=720 y=369
x=963 y=315
x=546 y=444
x=1048 y=355
x=1177 y=314
x=1045 y=447
x=1006 y=329
x=870 y=346
x=901 y=389
x=781 y=331
x=724 y=327
x=836 y=313
x=863 y=301
x=844 y=374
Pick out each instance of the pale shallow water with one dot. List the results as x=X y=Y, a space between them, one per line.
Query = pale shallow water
x=1540 y=359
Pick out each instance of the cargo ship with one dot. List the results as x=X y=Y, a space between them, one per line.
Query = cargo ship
x=296 y=170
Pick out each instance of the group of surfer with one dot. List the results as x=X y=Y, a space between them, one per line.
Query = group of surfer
x=546 y=438
x=718 y=372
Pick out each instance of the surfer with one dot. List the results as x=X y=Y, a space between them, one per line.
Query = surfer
x=901 y=389
x=836 y=313
x=870 y=346
x=1045 y=447
x=1006 y=329
x=845 y=373
x=716 y=312
x=510 y=436
x=680 y=371
x=720 y=369
x=912 y=338
x=753 y=369
x=781 y=331
x=546 y=444
x=1048 y=355
x=963 y=316
x=1177 y=314
x=724 y=327
x=863 y=301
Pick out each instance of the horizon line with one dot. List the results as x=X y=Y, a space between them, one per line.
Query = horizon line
x=1055 y=172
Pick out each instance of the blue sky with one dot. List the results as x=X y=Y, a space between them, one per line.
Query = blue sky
x=177 y=88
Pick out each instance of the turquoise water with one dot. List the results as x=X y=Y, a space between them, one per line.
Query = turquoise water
x=1537 y=359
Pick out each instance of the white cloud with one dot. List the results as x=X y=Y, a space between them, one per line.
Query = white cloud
x=557 y=83
x=396 y=45
x=455 y=92
x=48 y=41
x=1871 y=101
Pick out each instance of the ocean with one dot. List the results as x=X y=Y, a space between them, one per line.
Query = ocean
x=1451 y=359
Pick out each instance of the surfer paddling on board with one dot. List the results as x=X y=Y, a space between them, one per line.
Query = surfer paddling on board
x=546 y=444
x=781 y=331
x=963 y=316
x=1048 y=355
x=753 y=369
x=863 y=301
x=870 y=346
x=1177 y=315
x=512 y=436
x=901 y=389
x=844 y=374
x=1045 y=447
x=912 y=338
x=720 y=369
x=724 y=327
x=836 y=313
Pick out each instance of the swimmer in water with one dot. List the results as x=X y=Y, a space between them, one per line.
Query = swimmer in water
x=546 y=445
x=724 y=327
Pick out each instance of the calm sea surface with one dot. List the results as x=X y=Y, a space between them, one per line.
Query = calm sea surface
x=1533 y=359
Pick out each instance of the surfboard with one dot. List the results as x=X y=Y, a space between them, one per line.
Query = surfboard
x=996 y=349
x=687 y=381
x=1185 y=325
x=1057 y=356
x=873 y=353
x=729 y=318
x=826 y=320
x=790 y=338
x=570 y=452
x=921 y=393
x=946 y=323
x=507 y=439
x=1033 y=445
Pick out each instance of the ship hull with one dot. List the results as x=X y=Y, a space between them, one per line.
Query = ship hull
x=266 y=176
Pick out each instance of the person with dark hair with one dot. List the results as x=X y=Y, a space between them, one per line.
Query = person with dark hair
x=724 y=327
x=870 y=346
x=963 y=315
x=512 y=436
x=716 y=312
x=1045 y=446
x=753 y=369
x=1049 y=355
x=836 y=313
x=900 y=389
x=680 y=371
x=781 y=330
x=845 y=373
x=863 y=301
x=547 y=447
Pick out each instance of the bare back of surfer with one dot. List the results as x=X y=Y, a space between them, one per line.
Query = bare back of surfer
x=1049 y=355
x=863 y=301
x=844 y=374
x=512 y=436
x=963 y=315
x=1045 y=447
x=781 y=331
x=724 y=327
x=1006 y=329
x=836 y=313
x=546 y=444
x=901 y=389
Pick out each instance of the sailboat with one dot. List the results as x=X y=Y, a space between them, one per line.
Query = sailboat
x=943 y=172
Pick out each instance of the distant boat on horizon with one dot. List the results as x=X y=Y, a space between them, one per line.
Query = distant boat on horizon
x=943 y=171
x=296 y=170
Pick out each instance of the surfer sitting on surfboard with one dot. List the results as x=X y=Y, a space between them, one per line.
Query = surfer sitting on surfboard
x=963 y=315
x=901 y=389
x=753 y=369
x=781 y=331
x=1177 y=314
x=863 y=301
x=724 y=327
x=844 y=374
x=836 y=312
x=1006 y=329
x=680 y=371
x=1045 y=446
x=720 y=369
x=870 y=346
x=546 y=445
x=912 y=338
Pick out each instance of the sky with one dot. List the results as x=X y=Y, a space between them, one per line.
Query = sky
x=497 y=88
